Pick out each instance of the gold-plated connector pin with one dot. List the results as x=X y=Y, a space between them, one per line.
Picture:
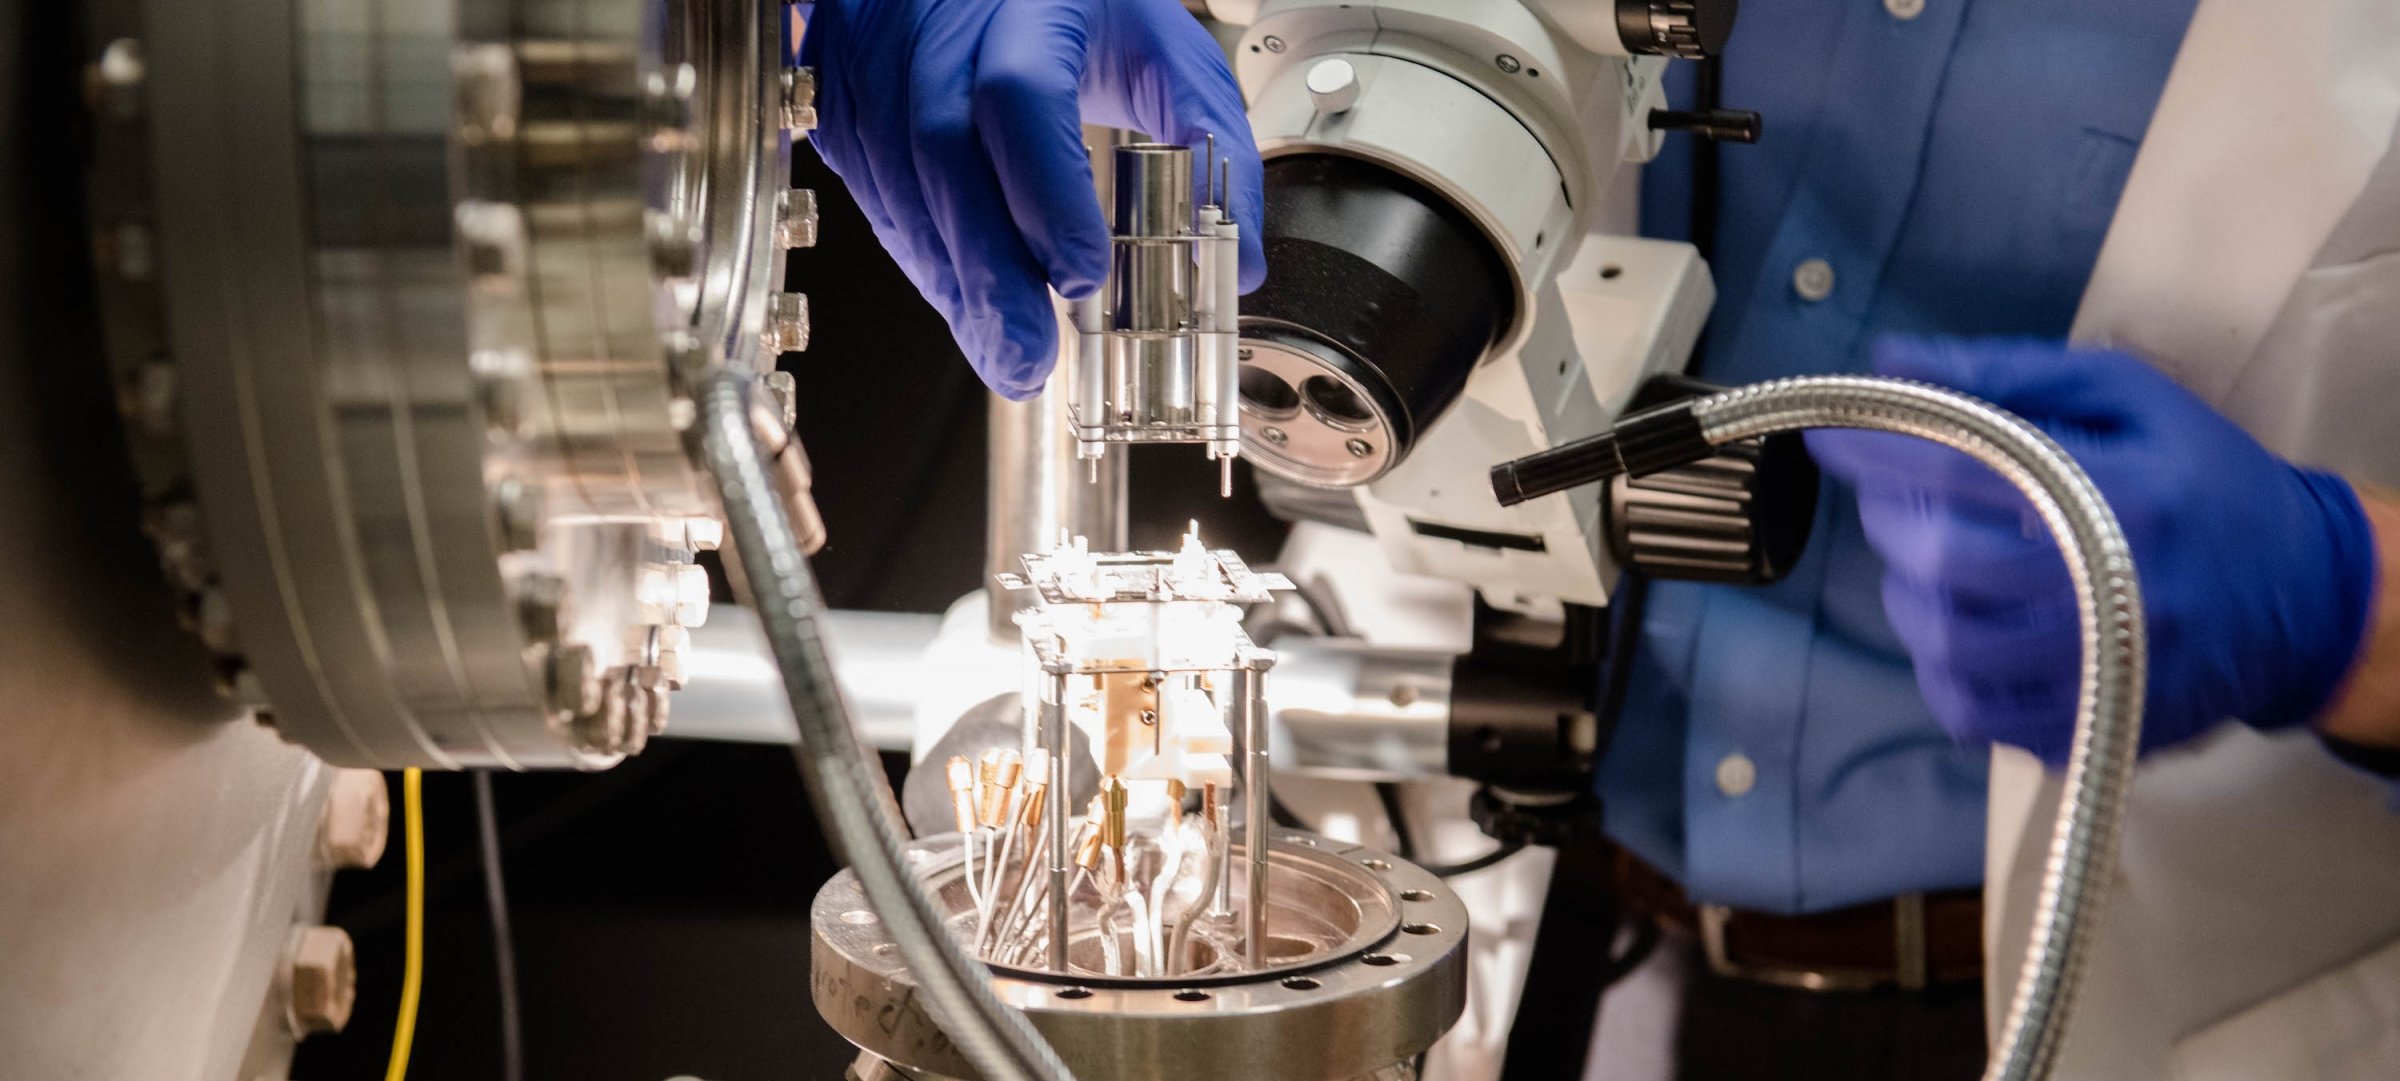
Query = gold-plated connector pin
x=961 y=776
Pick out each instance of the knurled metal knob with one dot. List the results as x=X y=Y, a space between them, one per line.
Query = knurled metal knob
x=1685 y=29
x=1741 y=516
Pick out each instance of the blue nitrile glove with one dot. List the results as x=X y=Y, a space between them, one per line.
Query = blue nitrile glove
x=2256 y=575
x=957 y=126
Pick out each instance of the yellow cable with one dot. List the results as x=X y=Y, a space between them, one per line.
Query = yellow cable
x=404 y=1034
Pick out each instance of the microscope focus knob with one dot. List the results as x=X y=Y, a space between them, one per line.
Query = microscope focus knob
x=1685 y=29
x=1332 y=86
x=1740 y=516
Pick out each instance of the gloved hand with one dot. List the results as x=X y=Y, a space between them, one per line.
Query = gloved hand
x=2256 y=576
x=957 y=126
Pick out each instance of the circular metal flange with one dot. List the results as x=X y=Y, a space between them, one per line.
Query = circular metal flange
x=1380 y=998
x=422 y=291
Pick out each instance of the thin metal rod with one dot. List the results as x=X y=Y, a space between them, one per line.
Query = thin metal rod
x=1254 y=795
x=1054 y=719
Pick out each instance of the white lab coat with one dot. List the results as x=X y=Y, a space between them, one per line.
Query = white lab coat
x=2254 y=932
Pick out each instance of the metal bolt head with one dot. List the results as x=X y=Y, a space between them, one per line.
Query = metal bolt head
x=500 y=376
x=786 y=391
x=799 y=100
x=674 y=243
x=539 y=599
x=796 y=218
x=1275 y=436
x=488 y=94
x=320 y=980
x=787 y=323
x=112 y=84
x=357 y=822
x=148 y=398
x=667 y=108
x=1507 y=64
x=1274 y=44
x=703 y=534
x=518 y=507
x=1359 y=448
x=573 y=679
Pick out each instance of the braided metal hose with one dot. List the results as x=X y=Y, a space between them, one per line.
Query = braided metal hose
x=2108 y=602
x=845 y=780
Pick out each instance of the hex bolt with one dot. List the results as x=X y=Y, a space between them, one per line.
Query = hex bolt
x=489 y=93
x=319 y=980
x=691 y=595
x=787 y=323
x=785 y=389
x=796 y=218
x=357 y=822
x=212 y=617
x=112 y=85
x=573 y=677
x=500 y=376
x=667 y=105
x=518 y=507
x=703 y=534
x=539 y=598
x=799 y=100
x=674 y=243
x=149 y=398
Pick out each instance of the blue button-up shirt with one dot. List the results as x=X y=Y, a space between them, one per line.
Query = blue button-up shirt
x=1955 y=164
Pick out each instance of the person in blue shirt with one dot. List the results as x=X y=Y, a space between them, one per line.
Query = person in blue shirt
x=1799 y=773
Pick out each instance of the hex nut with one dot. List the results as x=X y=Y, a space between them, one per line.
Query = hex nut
x=320 y=980
x=357 y=822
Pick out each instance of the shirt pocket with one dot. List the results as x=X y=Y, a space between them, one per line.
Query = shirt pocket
x=2091 y=183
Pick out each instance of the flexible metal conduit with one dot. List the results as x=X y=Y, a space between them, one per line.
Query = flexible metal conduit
x=2108 y=603
x=845 y=780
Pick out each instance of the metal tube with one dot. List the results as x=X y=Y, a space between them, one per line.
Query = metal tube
x=2108 y=602
x=1254 y=797
x=733 y=693
x=1153 y=185
x=845 y=779
x=1352 y=711
x=1035 y=487
x=1054 y=721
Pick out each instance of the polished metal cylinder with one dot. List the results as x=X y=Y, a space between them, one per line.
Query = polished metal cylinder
x=1153 y=184
x=1036 y=487
x=1151 y=288
x=1344 y=709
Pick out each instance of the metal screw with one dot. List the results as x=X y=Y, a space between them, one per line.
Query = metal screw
x=1241 y=354
x=319 y=980
x=124 y=249
x=1508 y=64
x=500 y=376
x=489 y=92
x=786 y=391
x=796 y=218
x=667 y=102
x=213 y=618
x=674 y=243
x=539 y=598
x=519 y=509
x=358 y=816
x=787 y=323
x=573 y=677
x=799 y=100
x=150 y=400
x=1274 y=435
x=1274 y=44
x=1358 y=448
x=703 y=534
x=112 y=85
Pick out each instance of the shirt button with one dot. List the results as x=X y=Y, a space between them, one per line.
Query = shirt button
x=1904 y=9
x=1813 y=280
x=1737 y=775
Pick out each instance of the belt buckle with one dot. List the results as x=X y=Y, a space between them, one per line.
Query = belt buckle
x=1908 y=944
